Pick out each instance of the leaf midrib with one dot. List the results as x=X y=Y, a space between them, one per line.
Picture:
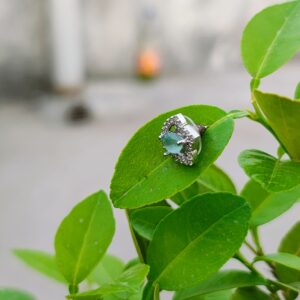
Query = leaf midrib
x=147 y=224
x=82 y=249
x=207 y=185
x=270 y=48
x=276 y=166
x=198 y=238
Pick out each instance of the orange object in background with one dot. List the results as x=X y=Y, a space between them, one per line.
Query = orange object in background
x=149 y=65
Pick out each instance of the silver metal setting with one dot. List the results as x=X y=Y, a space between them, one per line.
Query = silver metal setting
x=191 y=137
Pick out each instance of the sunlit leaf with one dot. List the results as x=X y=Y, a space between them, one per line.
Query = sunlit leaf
x=283 y=116
x=271 y=38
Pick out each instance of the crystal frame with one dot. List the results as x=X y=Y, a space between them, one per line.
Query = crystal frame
x=191 y=138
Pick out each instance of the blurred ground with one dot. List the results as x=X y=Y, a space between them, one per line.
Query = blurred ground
x=48 y=165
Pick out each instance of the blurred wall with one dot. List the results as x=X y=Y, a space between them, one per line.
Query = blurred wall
x=23 y=49
x=190 y=34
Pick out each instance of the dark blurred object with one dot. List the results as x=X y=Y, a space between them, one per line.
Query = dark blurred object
x=78 y=113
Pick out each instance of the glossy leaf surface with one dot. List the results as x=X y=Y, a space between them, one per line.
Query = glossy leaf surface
x=283 y=116
x=272 y=174
x=223 y=280
x=83 y=237
x=195 y=240
x=271 y=38
x=40 y=261
x=143 y=175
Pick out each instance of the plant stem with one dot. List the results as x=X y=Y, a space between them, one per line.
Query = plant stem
x=240 y=257
x=256 y=240
x=282 y=286
x=260 y=251
x=250 y=247
x=133 y=236
x=269 y=283
x=73 y=289
x=156 y=292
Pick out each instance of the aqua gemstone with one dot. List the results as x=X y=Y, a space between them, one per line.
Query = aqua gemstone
x=169 y=141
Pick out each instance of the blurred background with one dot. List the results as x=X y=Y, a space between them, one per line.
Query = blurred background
x=79 y=77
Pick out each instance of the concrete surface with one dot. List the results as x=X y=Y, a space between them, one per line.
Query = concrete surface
x=47 y=165
x=190 y=34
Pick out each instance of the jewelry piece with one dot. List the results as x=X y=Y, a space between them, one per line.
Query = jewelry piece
x=181 y=138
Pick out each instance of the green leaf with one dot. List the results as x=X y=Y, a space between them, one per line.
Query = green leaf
x=290 y=244
x=238 y=114
x=268 y=206
x=283 y=116
x=132 y=262
x=143 y=175
x=40 y=261
x=216 y=180
x=272 y=174
x=223 y=280
x=285 y=259
x=83 y=237
x=254 y=194
x=280 y=152
x=250 y=293
x=221 y=295
x=109 y=268
x=145 y=220
x=125 y=286
x=14 y=294
x=271 y=39
x=195 y=240
x=213 y=179
x=150 y=291
x=297 y=91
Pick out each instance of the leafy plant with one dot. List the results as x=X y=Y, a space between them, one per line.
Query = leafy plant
x=187 y=222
